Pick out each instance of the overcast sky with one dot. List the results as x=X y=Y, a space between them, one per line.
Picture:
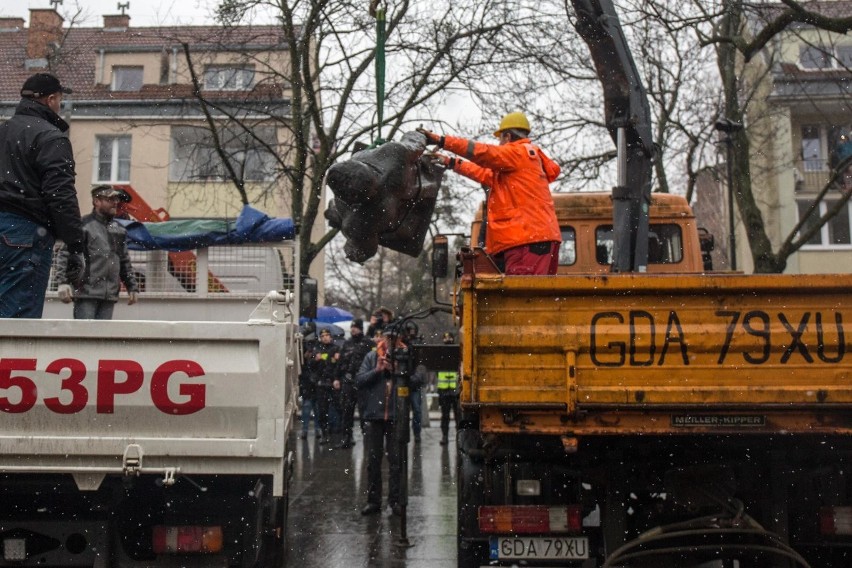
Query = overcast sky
x=142 y=12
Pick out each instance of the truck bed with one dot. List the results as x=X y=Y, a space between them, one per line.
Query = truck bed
x=617 y=354
x=92 y=398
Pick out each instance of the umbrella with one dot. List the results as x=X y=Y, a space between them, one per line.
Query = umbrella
x=331 y=314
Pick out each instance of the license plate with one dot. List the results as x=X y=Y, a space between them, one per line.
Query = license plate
x=539 y=548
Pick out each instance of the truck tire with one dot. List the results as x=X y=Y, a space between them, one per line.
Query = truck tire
x=470 y=484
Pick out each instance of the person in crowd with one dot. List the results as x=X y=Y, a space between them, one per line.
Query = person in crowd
x=522 y=232
x=418 y=379
x=841 y=157
x=381 y=317
x=376 y=383
x=107 y=261
x=307 y=389
x=351 y=355
x=448 y=396
x=323 y=368
x=38 y=198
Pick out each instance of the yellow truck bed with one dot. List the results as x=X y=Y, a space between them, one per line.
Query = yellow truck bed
x=617 y=354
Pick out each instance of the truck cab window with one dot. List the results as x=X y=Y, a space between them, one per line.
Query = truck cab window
x=568 y=248
x=665 y=244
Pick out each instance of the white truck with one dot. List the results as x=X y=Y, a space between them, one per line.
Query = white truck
x=155 y=443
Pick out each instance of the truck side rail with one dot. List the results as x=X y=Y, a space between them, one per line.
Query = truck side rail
x=581 y=344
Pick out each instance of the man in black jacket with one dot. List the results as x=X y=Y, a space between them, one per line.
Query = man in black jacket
x=351 y=355
x=38 y=200
x=322 y=364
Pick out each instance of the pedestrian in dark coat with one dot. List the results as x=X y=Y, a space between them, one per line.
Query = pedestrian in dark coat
x=38 y=199
x=323 y=367
x=376 y=386
x=351 y=356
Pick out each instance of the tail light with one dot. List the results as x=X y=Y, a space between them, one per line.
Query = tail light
x=527 y=519
x=835 y=521
x=180 y=540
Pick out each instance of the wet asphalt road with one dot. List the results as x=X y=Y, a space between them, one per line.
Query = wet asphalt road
x=328 y=489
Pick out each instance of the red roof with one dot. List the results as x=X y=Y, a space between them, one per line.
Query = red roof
x=77 y=64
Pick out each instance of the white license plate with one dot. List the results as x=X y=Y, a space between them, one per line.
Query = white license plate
x=539 y=548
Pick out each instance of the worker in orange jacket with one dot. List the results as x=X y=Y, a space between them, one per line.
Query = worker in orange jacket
x=522 y=231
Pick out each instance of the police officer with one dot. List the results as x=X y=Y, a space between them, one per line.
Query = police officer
x=448 y=397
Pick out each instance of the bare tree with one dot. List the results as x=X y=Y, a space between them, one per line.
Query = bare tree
x=327 y=80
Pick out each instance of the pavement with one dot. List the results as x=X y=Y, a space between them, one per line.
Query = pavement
x=328 y=490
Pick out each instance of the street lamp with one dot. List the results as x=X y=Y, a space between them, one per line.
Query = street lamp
x=728 y=127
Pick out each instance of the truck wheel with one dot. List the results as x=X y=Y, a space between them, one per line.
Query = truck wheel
x=471 y=553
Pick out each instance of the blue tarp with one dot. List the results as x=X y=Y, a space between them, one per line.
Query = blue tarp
x=251 y=226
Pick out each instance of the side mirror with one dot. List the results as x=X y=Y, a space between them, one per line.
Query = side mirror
x=308 y=298
x=440 y=256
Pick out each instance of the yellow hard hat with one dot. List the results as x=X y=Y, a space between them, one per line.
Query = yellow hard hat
x=513 y=120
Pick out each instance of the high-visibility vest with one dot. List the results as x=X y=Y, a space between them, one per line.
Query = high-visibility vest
x=447 y=380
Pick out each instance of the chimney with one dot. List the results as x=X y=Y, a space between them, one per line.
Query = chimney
x=44 y=36
x=116 y=23
x=11 y=24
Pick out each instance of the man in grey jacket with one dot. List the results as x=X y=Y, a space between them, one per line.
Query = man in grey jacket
x=107 y=261
x=38 y=199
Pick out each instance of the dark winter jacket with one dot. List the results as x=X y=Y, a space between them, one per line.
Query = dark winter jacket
x=107 y=260
x=352 y=355
x=37 y=172
x=375 y=390
x=323 y=372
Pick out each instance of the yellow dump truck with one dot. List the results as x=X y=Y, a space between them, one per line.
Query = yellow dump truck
x=669 y=418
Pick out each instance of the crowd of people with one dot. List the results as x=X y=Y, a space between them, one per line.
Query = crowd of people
x=362 y=373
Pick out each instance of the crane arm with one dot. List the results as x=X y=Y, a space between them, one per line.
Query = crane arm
x=628 y=119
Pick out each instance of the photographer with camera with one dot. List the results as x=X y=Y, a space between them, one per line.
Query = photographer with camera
x=376 y=383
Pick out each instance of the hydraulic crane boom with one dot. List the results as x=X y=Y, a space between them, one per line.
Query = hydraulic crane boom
x=628 y=118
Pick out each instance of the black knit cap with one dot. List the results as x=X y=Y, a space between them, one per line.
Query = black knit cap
x=42 y=85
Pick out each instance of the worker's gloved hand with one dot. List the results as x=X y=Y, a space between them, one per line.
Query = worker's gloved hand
x=66 y=294
x=133 y=298
x=444 y=160
x=76 y=267
x=431 y=137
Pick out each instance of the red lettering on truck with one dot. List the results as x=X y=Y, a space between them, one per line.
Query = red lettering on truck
x=196 y=392
x=114 y=378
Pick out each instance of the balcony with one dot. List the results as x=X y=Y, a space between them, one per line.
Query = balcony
x=812 y=175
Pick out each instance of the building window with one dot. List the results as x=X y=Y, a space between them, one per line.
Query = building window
x=844 y=56
x=228 y=78
x=665 y=244
x=825 y=57
x=568 y=247
x=814 y=57
x=812 y=154
x=113 y=156
x=836 y=232
x=194 y=156
x=127 y=78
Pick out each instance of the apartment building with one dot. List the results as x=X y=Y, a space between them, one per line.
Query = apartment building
x=801 y=89
x=144 y=101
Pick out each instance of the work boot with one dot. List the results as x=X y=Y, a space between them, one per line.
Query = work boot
x=444 y=441
x=303 y=435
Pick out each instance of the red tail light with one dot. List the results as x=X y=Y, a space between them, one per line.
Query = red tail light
x=527 y=519
x=180 y=540
x=835 y=520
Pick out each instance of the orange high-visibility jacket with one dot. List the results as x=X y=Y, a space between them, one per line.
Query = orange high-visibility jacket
x=520 y=208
